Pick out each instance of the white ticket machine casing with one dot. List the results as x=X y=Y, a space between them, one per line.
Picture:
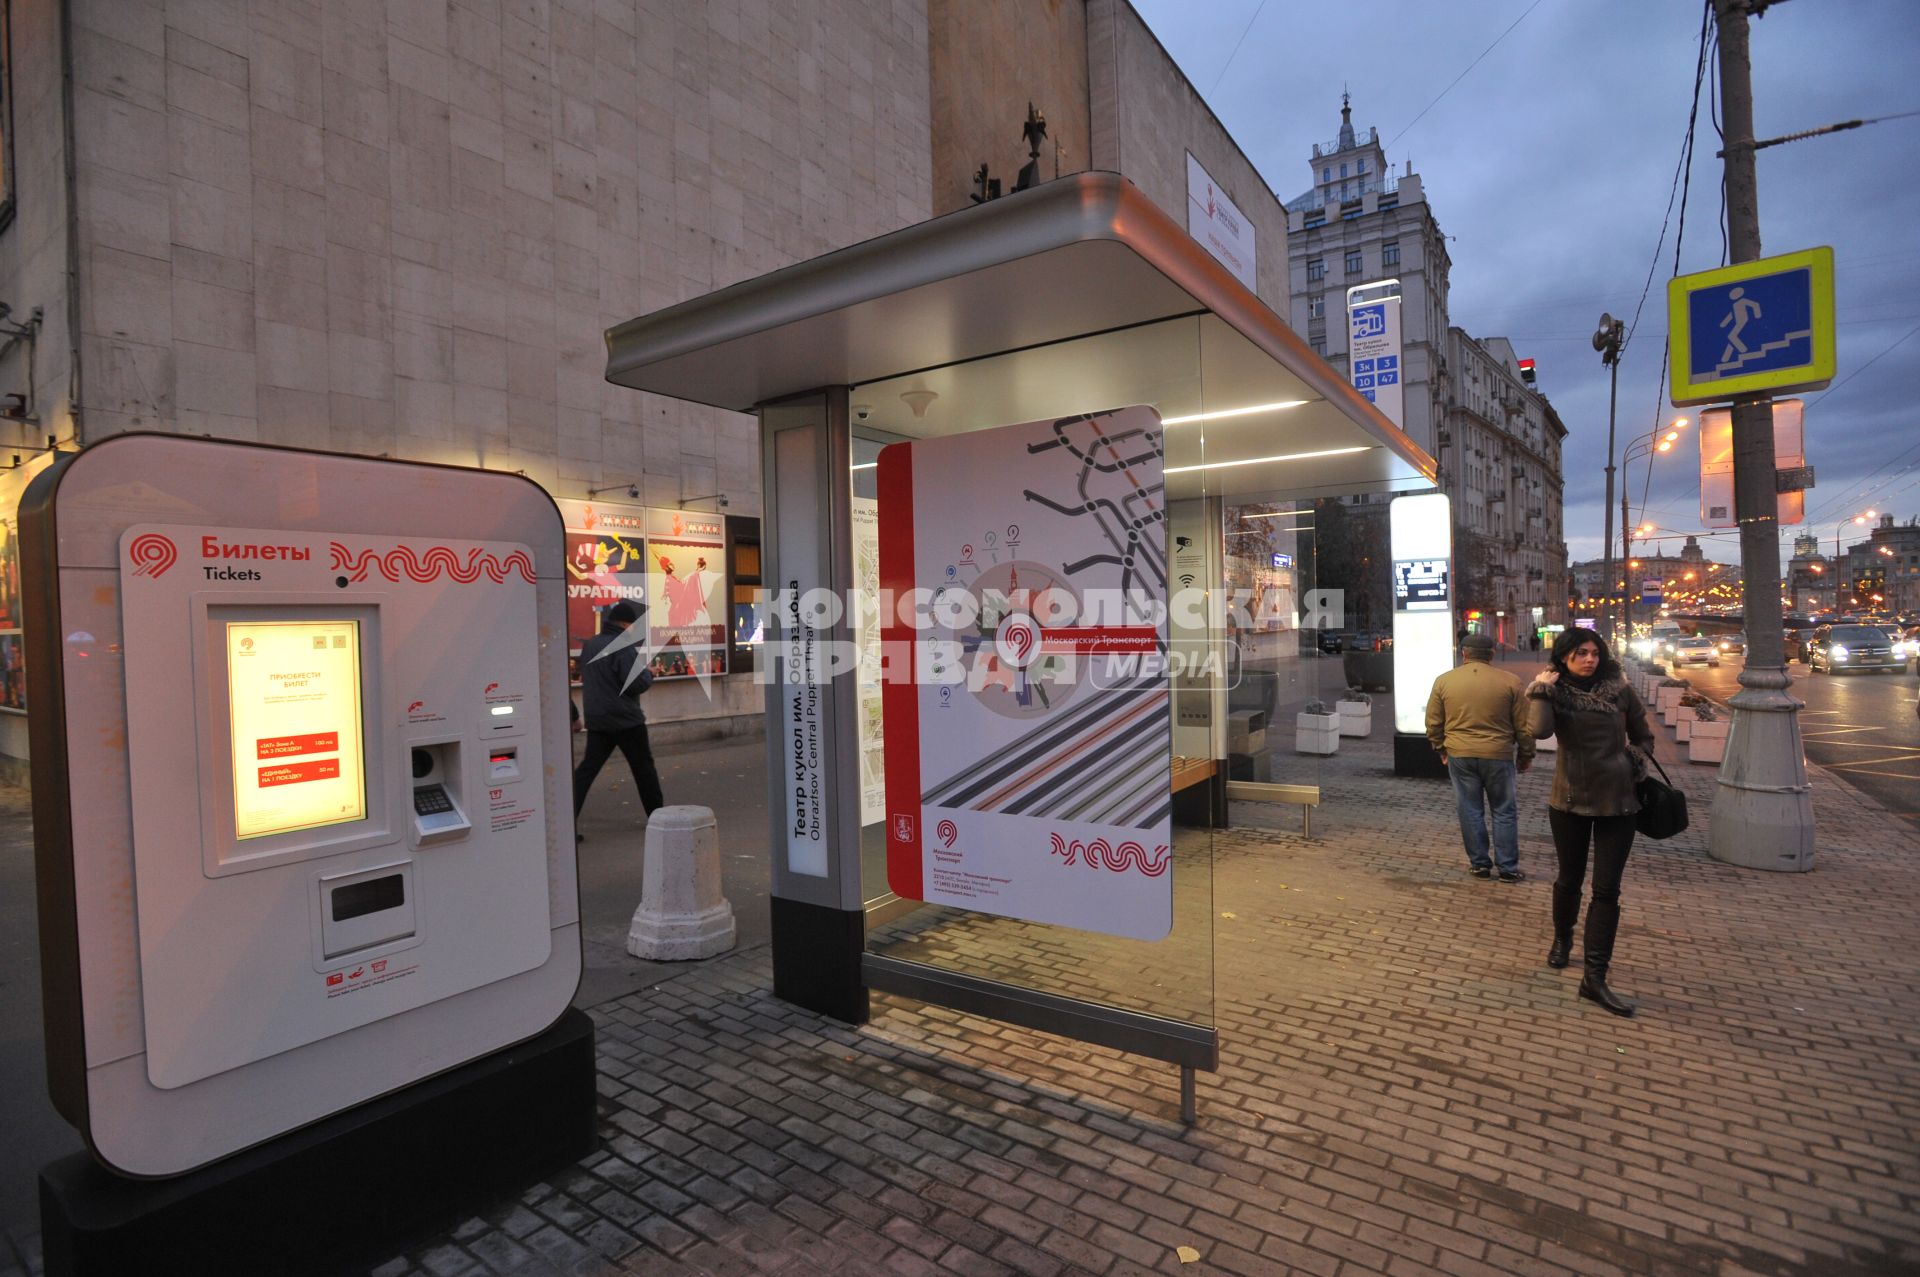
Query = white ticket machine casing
x=314 y=717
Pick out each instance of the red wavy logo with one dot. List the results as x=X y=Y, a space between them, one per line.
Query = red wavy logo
x=152 y=554
x=437 y=563
x=1101 y=854
x=948 y=833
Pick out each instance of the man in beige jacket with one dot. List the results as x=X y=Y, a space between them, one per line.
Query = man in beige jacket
x=1477 y=722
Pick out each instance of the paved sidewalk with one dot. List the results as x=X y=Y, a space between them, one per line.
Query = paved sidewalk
x=1405 y=1087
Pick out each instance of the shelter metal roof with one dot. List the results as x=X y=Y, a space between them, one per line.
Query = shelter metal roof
x=1078 y=295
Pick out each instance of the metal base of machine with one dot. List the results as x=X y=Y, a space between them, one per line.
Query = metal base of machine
x=344 y=1191
x=1413 y=756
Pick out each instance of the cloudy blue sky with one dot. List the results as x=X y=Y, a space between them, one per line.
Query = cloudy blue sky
x=1550 y=165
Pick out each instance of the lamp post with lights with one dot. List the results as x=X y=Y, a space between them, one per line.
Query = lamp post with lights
x=1863 y=518
x=1654 y=441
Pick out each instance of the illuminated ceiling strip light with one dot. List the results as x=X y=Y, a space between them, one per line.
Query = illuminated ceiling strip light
x=1234 y=412
x=864 y=465
x=1281 y=514
x=1259 y=461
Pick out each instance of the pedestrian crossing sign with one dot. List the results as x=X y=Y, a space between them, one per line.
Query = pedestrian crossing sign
x=1758 y=326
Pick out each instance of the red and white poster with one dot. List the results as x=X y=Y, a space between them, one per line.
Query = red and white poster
x=670 y=564
x=686 y=593
x=1028 y=756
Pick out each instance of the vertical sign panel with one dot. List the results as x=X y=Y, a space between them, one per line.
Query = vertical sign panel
x=1373 y=354
x=799 y=647
x=1028 y=762
x=1420 y=533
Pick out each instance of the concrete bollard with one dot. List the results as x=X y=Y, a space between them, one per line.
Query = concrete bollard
x=682 y=913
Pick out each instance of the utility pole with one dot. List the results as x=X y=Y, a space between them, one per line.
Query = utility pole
x=1762 y=811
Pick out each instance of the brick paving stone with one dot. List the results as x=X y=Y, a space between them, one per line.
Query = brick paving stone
x=1404 y=1088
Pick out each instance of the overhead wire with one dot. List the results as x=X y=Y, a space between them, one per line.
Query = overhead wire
x=1864 y=487
x=1463 y=75
x=1236 y=46
x=1682 y=181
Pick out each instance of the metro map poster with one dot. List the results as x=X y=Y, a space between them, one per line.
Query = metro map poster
x=1028 y=758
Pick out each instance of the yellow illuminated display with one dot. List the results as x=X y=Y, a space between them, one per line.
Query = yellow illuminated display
x=298 y=750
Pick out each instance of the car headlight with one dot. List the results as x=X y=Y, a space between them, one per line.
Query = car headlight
x=1838 y=651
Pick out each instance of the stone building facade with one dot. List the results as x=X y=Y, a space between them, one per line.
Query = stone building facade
x=1465 y=400
x=1882 y=573
x=1500 y=454
x=1360 y=224
x=402 y=230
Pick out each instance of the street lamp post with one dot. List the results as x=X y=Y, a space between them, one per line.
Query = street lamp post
x=1607 y=339
x=1645 y=445
x=1862 y=518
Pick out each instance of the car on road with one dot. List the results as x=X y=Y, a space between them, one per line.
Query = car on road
x=1695 y=649
x=1837 y=649
x=1657 y=645
x=1908 y=645
x=1731 y=644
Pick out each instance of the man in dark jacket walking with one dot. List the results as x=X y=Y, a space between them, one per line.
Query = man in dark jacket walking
x=611 y=686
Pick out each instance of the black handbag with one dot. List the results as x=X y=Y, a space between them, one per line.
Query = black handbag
x=1663 y=809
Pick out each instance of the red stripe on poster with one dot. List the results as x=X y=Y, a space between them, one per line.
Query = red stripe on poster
x=899 y=694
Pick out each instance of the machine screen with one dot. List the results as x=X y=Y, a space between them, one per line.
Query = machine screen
x=299 y=756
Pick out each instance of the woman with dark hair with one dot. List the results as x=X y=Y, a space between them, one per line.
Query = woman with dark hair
x=1601 y=725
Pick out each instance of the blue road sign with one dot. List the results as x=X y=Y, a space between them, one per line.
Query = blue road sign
x=1765 y=325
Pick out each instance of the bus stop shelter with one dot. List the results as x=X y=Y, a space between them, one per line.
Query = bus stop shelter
x=1076 y=297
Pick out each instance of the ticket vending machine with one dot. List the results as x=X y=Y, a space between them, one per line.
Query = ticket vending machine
x=301 y=756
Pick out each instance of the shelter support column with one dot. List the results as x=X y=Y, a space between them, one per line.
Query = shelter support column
x=815 y=898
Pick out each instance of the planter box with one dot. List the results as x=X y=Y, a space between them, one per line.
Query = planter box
x=1316 y=733
x=1683 y=724
x=1356 y=717
x=1670 y=715
x=1708 y=744
x=1666 y=697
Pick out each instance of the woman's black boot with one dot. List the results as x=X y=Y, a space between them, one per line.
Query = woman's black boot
x=1566 y=908
x=1603 y=920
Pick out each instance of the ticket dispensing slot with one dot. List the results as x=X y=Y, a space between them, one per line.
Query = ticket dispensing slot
x=367 y=908
x=439 y=815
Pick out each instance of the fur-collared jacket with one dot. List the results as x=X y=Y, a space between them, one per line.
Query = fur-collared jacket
x=1604 y=740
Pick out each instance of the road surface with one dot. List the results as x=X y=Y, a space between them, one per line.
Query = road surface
x=1862 y=727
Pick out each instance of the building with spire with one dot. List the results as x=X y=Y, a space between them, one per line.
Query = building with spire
x=1469 y=402
x=1811 y=581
